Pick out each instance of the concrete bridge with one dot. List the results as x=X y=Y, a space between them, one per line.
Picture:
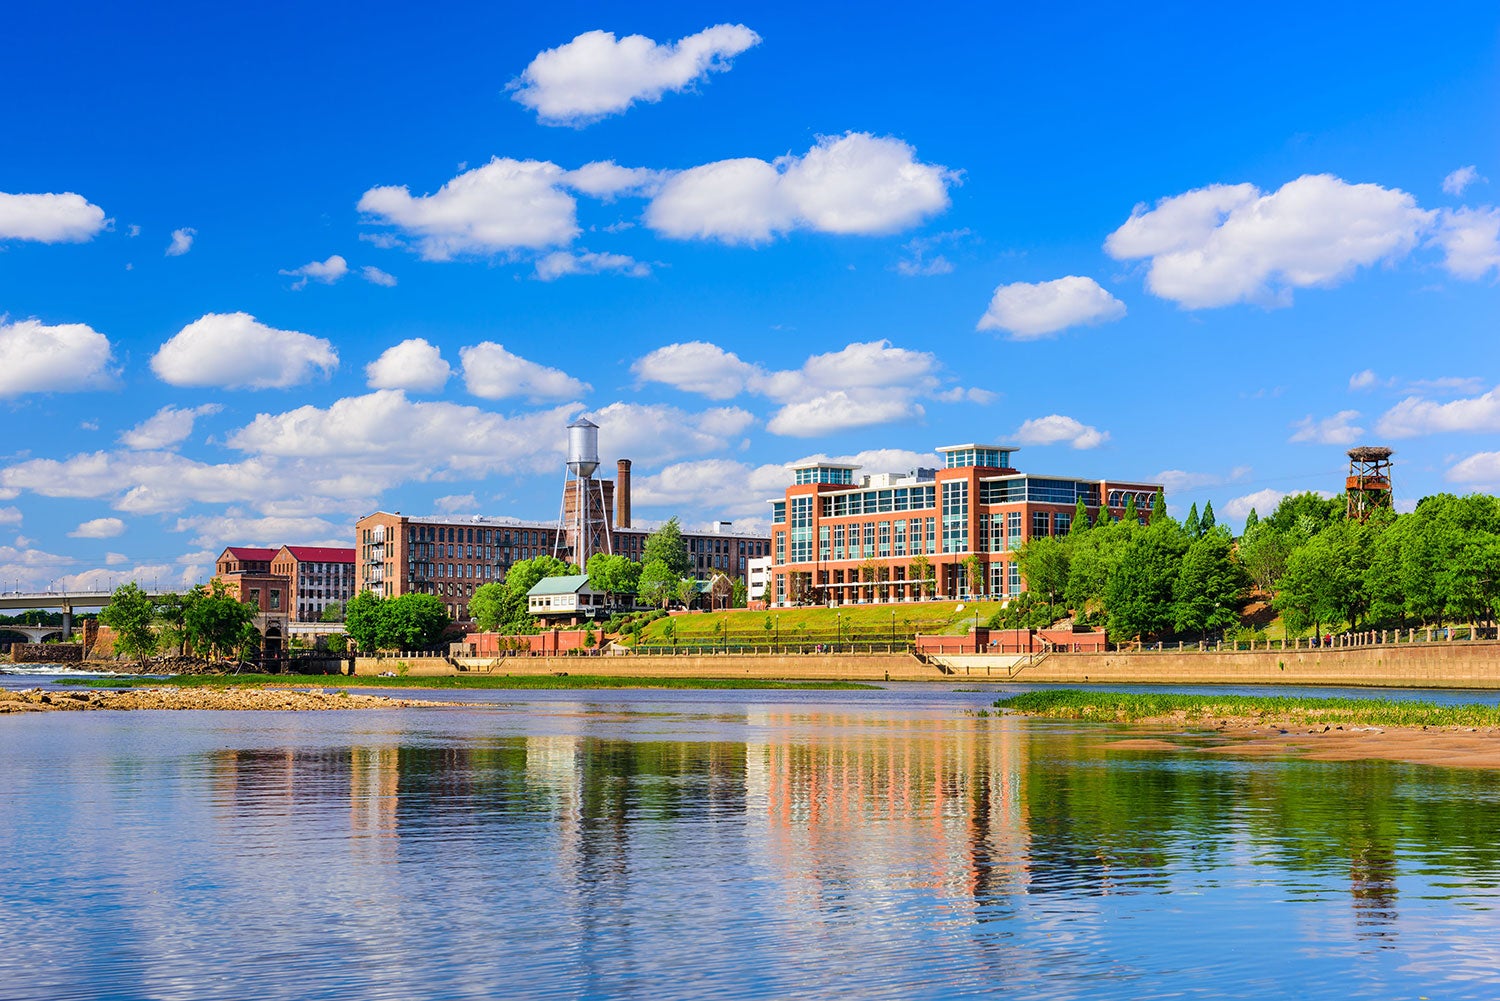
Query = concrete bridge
x=65 y=602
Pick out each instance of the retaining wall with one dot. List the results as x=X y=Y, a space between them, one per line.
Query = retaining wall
x=1420 y=665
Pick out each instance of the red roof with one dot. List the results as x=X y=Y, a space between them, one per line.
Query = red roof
x=321 y=554
x=249 y=554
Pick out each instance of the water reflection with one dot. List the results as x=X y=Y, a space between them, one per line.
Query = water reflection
x=773 y=851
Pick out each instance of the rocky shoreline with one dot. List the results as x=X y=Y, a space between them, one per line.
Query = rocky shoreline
x=1445 y=746
x=280 y=699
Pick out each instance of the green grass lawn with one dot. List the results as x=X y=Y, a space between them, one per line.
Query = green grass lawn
x=459 y=683
x=1119 y=707
x=857 y=623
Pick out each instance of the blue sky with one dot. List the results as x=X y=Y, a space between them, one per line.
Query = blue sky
x=265 y=270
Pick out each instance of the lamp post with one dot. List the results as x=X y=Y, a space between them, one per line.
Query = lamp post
x=838 y=628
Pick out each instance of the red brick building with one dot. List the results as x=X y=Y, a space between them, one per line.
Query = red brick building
x=317 y=577
x=831 y=533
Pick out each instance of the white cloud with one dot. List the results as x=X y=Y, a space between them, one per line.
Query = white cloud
x=1455 y=183
x=166 y=427
x=327 y=272
x=698 y=367
x=1339 y=429
x=920 y=262
x=233 y=350
x=182 y=241
x=852 y=184
x=862 y=384
x=561 y=262
x=1056 y=429
x=1415 y=416
x=216 y=531
x=49 y=218
x=1470 y=239
x=414 y=364
x=504 y=206
x=840 y=410
x=1263 y=501
x=657 y=432
x=116 y=559
x=36 y=358
x=375 y=276
x=606 y=179
x=1175 y=481
x=1032 y=310
x=597 y=75
x=493 y=373
x=98 y=528
x=1363 y=380
x=1234 y=243
x=1481 y=468
x=455 y=503
x=10 y=516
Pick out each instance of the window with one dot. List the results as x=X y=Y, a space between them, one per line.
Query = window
x=899 y=540
x=885 y=538
x=931 y=535
x=869 y=548
x=275 y=598
x=801 y=529
x=956 y=516
x=1013 y=578
x=1041 y=524
x=822 y=542
x=1013 y=529
x=1061 y=523
x=997 y=579
x=838 y=542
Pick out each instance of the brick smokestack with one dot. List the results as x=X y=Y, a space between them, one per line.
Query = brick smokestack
x=622 y=494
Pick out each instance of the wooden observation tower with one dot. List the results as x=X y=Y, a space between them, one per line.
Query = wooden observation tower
x=1369 y=484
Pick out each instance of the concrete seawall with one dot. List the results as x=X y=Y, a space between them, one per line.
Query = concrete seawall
x=1416 y=665
x=1420 y=665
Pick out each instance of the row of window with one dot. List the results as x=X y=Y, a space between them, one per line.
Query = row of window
x=883 y=501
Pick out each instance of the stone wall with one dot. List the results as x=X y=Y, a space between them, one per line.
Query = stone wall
x=46 y=653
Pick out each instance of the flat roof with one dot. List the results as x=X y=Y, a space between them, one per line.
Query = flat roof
x=992 y=448
x=813 y=464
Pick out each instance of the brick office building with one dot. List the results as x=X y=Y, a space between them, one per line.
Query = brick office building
x=450 y=556
x=828 y=528
x=317 y=576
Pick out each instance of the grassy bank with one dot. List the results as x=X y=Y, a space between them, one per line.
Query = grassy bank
x=892 y=623
x=1117 y=707
x=473 y=682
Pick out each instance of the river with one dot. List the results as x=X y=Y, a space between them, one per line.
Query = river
x=700 y=844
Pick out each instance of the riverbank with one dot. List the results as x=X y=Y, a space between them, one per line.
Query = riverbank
x=461 y=682
x=208 y=697
x=1315 y=729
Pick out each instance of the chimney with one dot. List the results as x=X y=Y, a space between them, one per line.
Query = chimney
x=622 y=494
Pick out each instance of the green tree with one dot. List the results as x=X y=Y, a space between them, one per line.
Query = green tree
x=1190 y=524
x=923 y=574
x=1132 y=513
x=1264 y=552
x=1046 y=563
x=974 y=574
x=658 y=584
x=667 y=545
x=215 y=621
x=488 y=606
x=739 y=595
x=1138 y=596
x=1251 y=520
x=1324 y=583
x=1159 y=506
x=131 y=615
x=414 y=621
x=1208 y=522
x=613 y=574
x=1306 y=514
x=1206 y=594
x=333 y=612
x=363 y=617
x=1080 y=523
x=524 y=574
x=687 y=591
x=171 y=614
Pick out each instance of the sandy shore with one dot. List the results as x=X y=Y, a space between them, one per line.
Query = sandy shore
x=39 y=700
x=1454 y=747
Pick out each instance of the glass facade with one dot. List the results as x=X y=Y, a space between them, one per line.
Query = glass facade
x=823 y=474
x=880 y=501
x=958 y=458
x=956 y=516
x=801 y=529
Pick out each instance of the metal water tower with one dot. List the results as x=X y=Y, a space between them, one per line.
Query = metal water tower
x=583 y=448
x=584 y=522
